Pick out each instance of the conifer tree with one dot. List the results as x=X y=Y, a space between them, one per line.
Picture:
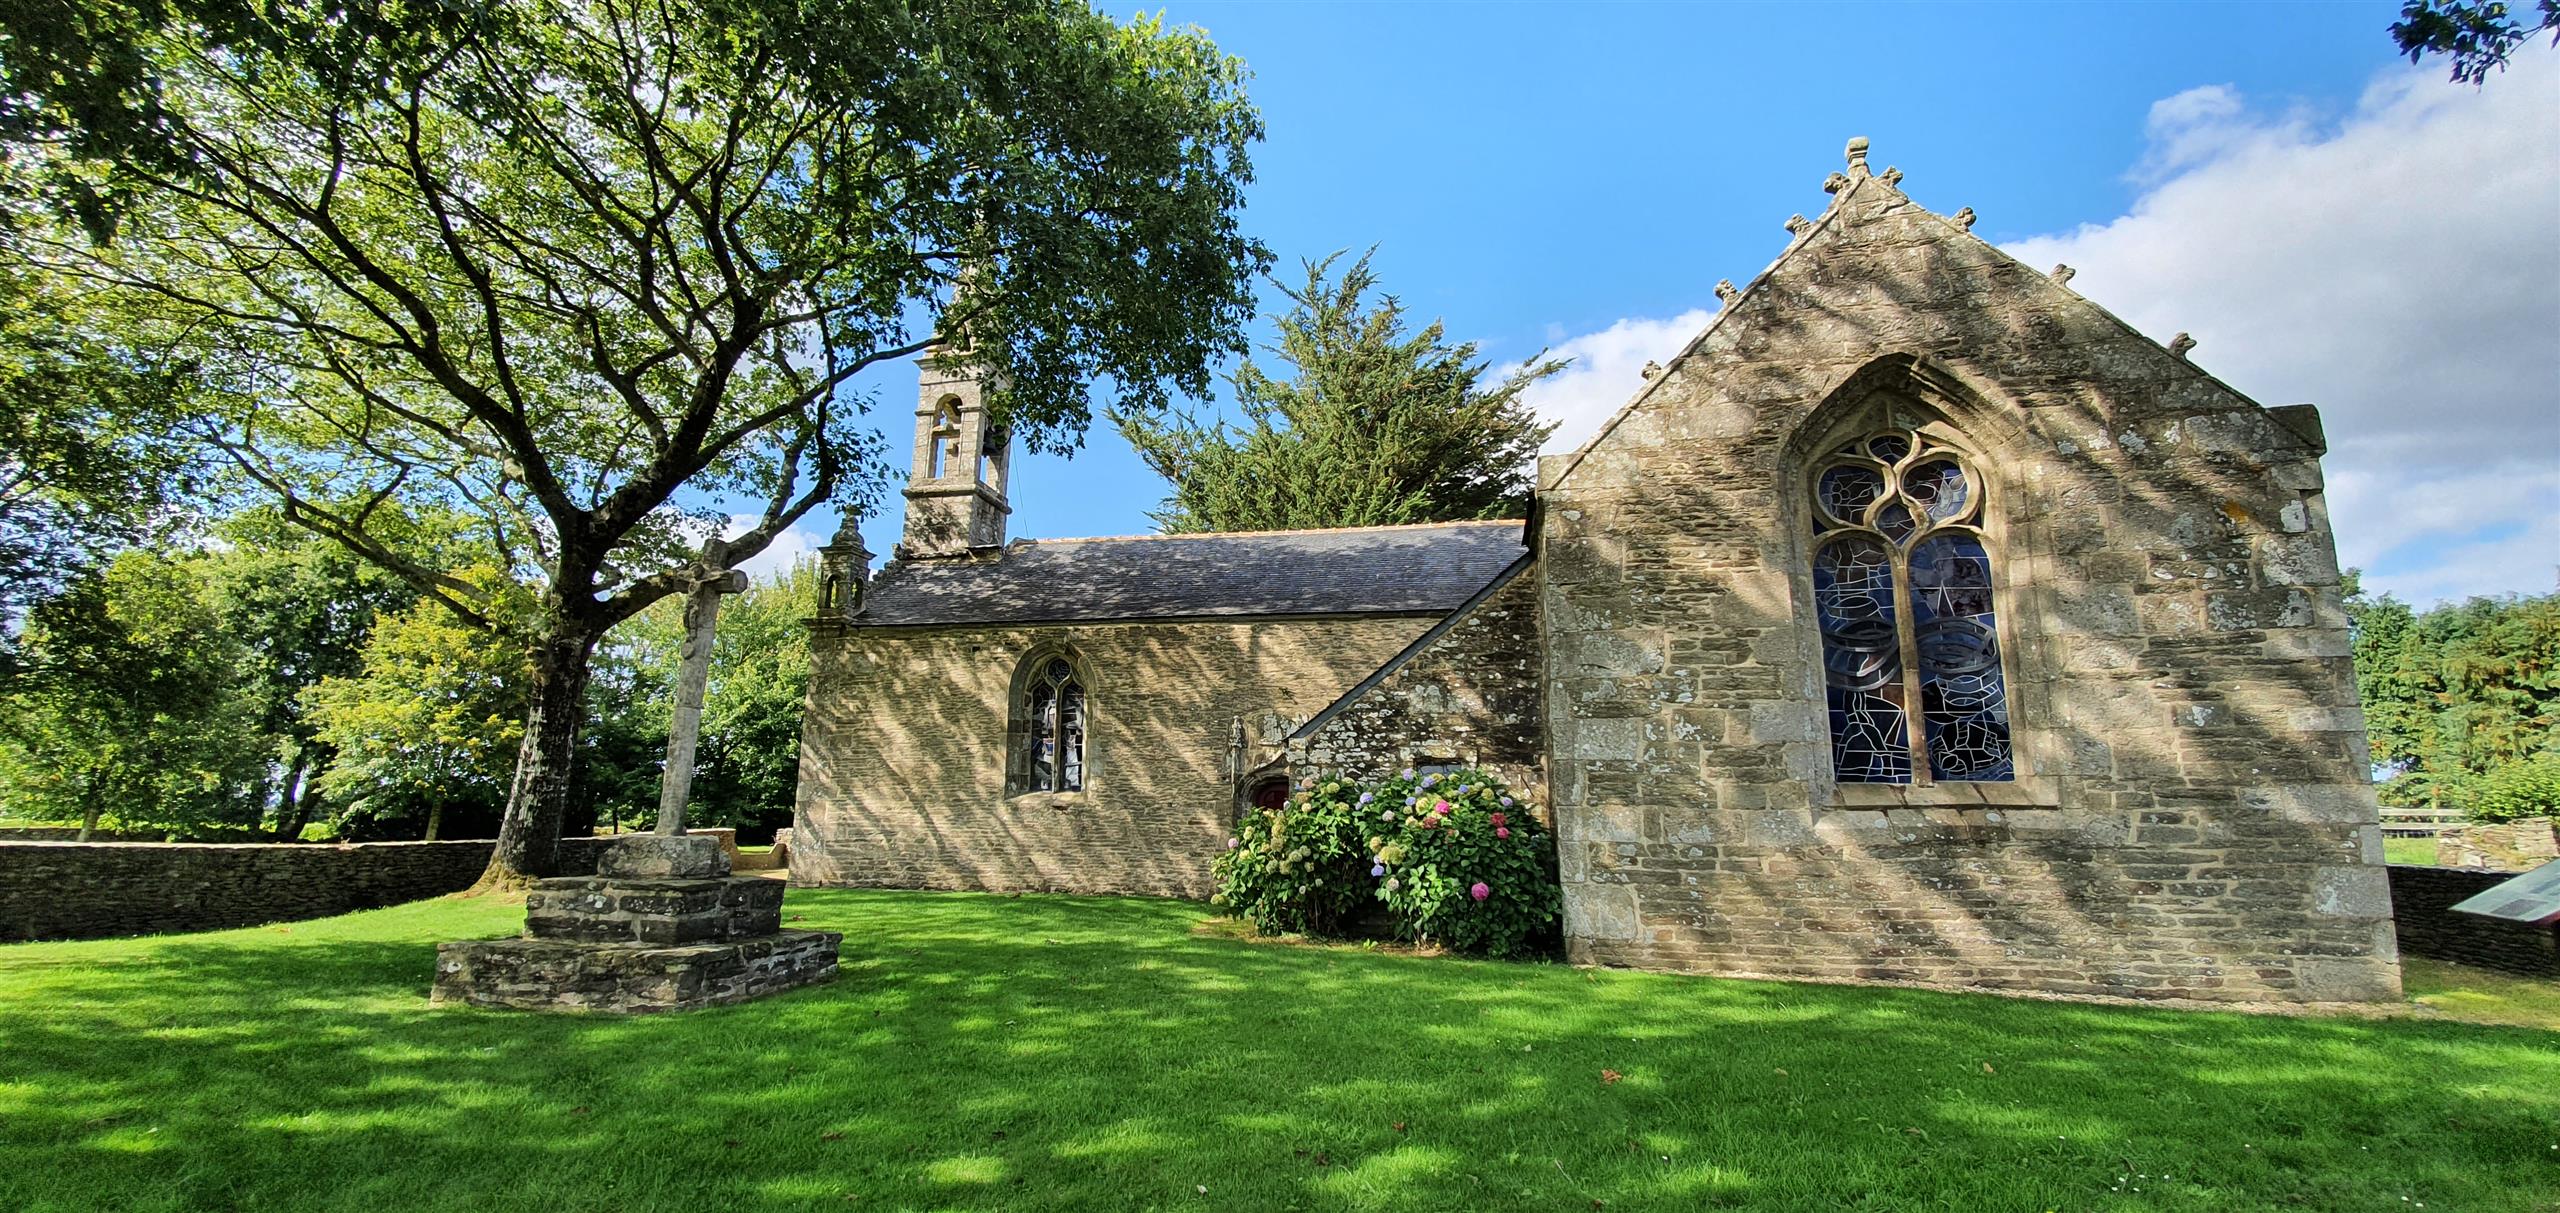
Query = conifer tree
x=1374 y=426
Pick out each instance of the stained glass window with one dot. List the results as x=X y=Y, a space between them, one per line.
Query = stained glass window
x=1902 y=589
x=1053 y=715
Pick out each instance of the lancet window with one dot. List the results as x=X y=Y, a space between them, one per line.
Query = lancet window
x=1049 y=728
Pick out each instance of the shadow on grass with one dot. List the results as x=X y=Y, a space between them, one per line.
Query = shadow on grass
x=993 y=1052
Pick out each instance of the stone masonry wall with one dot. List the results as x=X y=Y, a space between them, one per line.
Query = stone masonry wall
x=2422 y=901
x=2506 y=846
x=91 y=890
x=902 y=757
x=1471 y=698
x=2192 y=816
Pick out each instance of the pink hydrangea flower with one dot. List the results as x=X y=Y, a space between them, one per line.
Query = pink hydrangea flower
x=1480 y=891
x=1502 y=831
x=1441 y=807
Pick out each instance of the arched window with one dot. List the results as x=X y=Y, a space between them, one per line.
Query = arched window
x=1902 y=586
x=1048 y=729
x=945 y=436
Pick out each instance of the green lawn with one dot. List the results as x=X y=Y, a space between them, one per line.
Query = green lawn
x=2409 y=850
x=1072 y=1053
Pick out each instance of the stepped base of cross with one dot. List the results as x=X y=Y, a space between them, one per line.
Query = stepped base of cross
x=661 y=926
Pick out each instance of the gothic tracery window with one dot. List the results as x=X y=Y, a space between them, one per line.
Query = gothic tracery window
x=1902 y=586
x=1050 y=729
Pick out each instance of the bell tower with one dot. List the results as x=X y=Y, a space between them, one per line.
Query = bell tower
x=955 y=493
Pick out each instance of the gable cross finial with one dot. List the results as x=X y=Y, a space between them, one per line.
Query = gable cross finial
x=1728 y=292
x=1857 y=156
x=1963 y=219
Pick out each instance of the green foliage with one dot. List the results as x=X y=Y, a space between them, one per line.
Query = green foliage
x=2530 y=788
x=1466 y=866
x=428 y=727
x=2478 y=36
x=1299 y=868
x=1455 y=859
x=2457 y=695
x=85 y=464
x=125 y=717
x=1375 y=426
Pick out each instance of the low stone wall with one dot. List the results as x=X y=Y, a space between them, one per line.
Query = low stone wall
x=2422 y=900
x=2507 y=846
x=91 y=890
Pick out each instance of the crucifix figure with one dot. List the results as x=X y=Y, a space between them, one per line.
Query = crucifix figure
x=693 y=676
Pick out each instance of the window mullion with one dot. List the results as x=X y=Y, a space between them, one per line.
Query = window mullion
x=1915 y=726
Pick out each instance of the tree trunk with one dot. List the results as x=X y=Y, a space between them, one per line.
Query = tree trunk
x=290 y=797
x=435 y=819
x=529 y=834
x=89 y=820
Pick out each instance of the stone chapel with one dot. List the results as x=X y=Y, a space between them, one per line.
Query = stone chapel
x=1920 y=620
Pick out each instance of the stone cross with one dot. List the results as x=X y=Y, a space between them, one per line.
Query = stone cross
x=693 y=676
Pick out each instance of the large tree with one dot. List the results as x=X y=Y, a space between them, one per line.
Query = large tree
x=1374 y=426
x=552 y=262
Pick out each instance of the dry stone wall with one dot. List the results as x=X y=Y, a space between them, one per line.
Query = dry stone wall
x=91 y=890
x=2192 y=816
x=902 y=757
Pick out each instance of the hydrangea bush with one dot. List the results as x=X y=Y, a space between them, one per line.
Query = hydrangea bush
x=1300 y=867
x=1456 y=860
x=1463 y=864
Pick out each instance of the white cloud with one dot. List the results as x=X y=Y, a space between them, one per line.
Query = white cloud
x=1608 y=367
x=790 y=547
x=2400 y=268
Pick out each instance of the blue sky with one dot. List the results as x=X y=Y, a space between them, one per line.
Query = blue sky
x=2332 y=224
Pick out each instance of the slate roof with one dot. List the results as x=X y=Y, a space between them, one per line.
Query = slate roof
x=1429 y=568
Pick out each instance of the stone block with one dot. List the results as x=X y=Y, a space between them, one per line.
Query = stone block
x=2351 y=891
x=664 y=857
x=610 y=909
x=629 y=979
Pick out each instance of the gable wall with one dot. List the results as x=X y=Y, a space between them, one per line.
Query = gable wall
x=902 y=756
x=1471 y=698
x=2195 y=819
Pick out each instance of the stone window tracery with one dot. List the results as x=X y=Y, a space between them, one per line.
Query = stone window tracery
x=1902 y=586
x=1049 y=727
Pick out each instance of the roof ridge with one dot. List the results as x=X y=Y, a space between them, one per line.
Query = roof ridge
x=1320 y=530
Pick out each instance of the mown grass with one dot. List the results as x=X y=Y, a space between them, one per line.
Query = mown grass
x=2409 y=850
x=989 y=1052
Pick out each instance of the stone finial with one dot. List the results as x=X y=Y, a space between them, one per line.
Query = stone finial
x=1728 y=292
x=1892 y=176
x=1963 y=218
x=1834 y=183
x=1651 y=371
x=2180 y=344
x=1798 y=224
x=1857 y=156
x=2062 y=275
